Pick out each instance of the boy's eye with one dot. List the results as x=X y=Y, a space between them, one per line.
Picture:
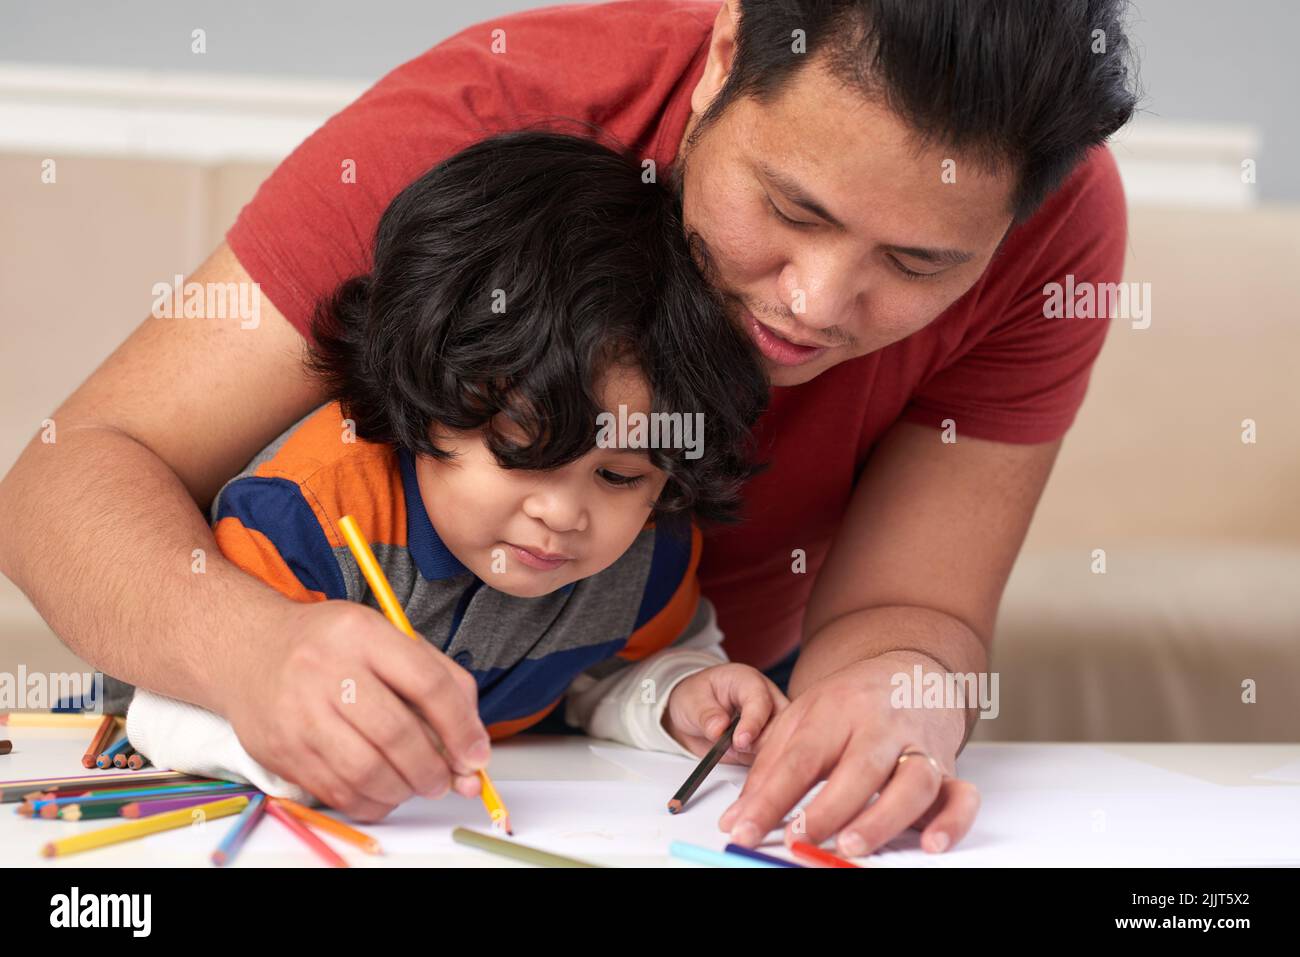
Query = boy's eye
x=622 y=481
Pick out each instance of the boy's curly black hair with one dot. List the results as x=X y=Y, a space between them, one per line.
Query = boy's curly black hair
x=508 y=279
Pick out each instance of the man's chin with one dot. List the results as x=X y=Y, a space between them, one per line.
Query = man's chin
x=783 y=375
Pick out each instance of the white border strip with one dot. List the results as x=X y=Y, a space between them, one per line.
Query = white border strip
x=215 y=118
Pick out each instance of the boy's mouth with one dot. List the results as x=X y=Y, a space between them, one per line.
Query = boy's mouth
x=538 y=559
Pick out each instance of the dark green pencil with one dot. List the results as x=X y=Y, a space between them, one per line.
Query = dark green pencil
x=702 y=770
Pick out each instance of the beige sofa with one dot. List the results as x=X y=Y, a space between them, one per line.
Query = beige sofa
x=1201 y=532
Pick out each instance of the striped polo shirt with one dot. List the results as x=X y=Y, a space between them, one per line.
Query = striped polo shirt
x=278 y=520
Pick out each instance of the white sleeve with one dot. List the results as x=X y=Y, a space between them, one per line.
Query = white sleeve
x=628 y=705
x=184 y=737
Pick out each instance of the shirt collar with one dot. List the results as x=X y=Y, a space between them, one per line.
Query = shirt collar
x=433 y=559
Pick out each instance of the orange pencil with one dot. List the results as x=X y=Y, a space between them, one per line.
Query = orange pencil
x=383 y=592
x=325 y=852
x=323 y=822
x=99 y=743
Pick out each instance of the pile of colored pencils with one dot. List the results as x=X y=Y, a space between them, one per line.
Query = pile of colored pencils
x=153 y=801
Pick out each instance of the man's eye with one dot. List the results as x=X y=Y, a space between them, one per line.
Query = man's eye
x=910 y=273
x=622 y=481
x=797 y=223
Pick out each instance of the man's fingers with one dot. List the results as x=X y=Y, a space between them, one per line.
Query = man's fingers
x=904 y=796
x=950 y=816
x=429 y=684
x=399 y=735
x=763 y=806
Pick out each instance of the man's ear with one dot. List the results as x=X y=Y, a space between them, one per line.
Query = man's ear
x=722 y=51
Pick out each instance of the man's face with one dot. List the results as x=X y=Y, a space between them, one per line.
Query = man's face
x=832 y=233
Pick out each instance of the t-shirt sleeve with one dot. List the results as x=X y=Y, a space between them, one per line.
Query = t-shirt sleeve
x=1024 y=378
x=311 y=223
x=268 y=529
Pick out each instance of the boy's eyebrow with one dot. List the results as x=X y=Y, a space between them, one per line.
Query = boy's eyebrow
x=802 y=198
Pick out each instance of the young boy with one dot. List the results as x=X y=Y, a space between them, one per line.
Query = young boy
x=527 y=294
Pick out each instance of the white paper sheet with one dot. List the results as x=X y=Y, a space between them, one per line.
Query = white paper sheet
x=1289 y=773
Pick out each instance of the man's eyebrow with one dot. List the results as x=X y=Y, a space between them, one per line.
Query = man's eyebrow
x=940 y=257
x=798 y=195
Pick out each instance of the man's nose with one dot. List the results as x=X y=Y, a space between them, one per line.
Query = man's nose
x=823 y=290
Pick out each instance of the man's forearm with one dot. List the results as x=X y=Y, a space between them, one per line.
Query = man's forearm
x=91 y=518
x=871 y=632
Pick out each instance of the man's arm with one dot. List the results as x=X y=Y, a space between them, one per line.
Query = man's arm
x=924 y=552
x=178 y=408
x=100 y=529
x=914 y=576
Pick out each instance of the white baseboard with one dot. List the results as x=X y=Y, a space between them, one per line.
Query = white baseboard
x=213 y=118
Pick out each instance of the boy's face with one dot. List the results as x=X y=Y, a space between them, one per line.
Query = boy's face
x=528 y=533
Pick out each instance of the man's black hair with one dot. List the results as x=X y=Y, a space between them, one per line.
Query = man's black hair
x=511 y=278
x=1035 y=83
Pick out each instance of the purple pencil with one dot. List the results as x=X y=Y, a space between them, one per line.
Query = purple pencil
x=149 y=808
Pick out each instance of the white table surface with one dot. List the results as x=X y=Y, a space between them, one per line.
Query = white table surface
x=1053 y=804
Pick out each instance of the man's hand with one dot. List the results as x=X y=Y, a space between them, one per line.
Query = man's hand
x=351 y=709
x=844 y=726
x=701 y=707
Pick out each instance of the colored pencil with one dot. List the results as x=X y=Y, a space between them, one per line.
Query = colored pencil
x=323 y=850
x=519 y=852
x=50 y=719
x=707 y=764
x=703 y=855
x=75 y=812
x=811 y=852
x=125 y=795
x=152 y=806
x=136 y=761
x=239 y=831
x=99 y=741
x=323 y=822
x=760 y=856
x=392 y=608
x=112 y=783
x=20 y=789
x=119 y=760
x=143 y=827
x=105 y=760
x=6 y=745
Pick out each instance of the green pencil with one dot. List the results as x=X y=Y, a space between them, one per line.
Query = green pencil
x=520 y=852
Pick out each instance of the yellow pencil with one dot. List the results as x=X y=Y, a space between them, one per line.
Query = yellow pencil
x=393 y=611
x=51 y=719
x=182 y=817
x=323 y=822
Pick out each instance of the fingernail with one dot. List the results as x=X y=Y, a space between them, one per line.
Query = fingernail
x=939 y=842
x=743 y=742
x=479 y=753
x=852 y=844
x=746 y=833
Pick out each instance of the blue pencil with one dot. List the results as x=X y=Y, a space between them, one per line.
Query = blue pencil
x=239 y=831
x=760 y=856
x=702 y=855
x=105 y=760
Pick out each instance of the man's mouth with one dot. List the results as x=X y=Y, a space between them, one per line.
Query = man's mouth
x=778 y=348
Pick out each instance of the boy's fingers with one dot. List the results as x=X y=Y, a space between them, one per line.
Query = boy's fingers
x=755 y=712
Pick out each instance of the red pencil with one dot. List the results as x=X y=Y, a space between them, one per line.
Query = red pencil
x=305 y=835
x=811 y=852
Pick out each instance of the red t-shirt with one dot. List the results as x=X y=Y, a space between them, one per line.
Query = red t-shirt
x=991 y=361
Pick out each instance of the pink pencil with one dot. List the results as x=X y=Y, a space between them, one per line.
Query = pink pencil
x=149 y=808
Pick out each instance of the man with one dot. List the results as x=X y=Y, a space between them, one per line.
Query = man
x=880 y=188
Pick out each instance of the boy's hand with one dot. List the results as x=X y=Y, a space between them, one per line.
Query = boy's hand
x=358 y=714
x=701 y=707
